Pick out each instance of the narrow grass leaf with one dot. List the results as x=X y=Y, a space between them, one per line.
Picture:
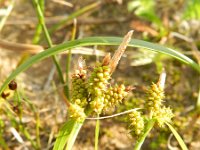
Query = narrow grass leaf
x=98 y=41
x=63 y=135
x=178 y=137
x=76 y=128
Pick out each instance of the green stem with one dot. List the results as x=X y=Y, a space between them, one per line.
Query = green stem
x=38 y=31
x=74 y=15
x=19 y=105
x=68 y=62
x=38 y=130
x=22 y=129
x=140 y=141
x=47 y=36
x=198 y=99
x=37 y=118
x=97 y=133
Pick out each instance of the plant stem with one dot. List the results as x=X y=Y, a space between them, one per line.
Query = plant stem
x=148 y=128
x=19 y=104
x=68 y=62
x=198 y=99
x=47 y=36
x=97 y=133
x=37 y=118
x=38 y=130
x=38 y=31
x=74 y=15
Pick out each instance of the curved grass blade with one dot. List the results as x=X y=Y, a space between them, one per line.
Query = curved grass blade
x=99 y=41
x=63 y=135
x=178 y=137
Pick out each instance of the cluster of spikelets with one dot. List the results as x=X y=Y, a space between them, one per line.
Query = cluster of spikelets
x=156 y=110
x=79 y=94
x=114 y=96
x=155 y=105
x=136 y=123
x=97 y=86
x=94 y=93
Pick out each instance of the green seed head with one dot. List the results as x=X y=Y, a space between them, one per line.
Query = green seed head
x=97 y=85
x=155 y=105
x=76 y=112
x=100 y=75
x=155 y=97
x=97 y=105
x=114 y=96
x=136 y=123
x=164 y=114
x=79 y=87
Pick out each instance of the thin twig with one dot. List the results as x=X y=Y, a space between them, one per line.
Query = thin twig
x=63 y=3
x=115 y=115
x=20 y=47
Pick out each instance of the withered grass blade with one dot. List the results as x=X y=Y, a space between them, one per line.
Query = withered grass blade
x=33 y=49
x=120 y=51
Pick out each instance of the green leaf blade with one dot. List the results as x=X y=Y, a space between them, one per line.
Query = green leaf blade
x=177 y=136
x=98 y=41
x=73 y=135
x=63 y=135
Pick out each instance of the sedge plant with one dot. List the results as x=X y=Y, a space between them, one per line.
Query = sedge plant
x=99 y=78
x=92 y=93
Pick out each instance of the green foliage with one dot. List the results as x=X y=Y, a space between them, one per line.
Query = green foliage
x=94 y=94
x=70 y=130
x=160 y=140
x=63 y=135
x=145 y=9
x=192 y=10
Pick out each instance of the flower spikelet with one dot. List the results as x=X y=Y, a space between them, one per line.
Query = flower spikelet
x=76 y=112
x=157 y=110
x=79 y=90
x=136 y=123
x=114 y=96
x=165 y=114
x=97 y=85
x=155 y=98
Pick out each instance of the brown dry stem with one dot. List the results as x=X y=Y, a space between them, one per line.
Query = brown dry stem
x=120 y=51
